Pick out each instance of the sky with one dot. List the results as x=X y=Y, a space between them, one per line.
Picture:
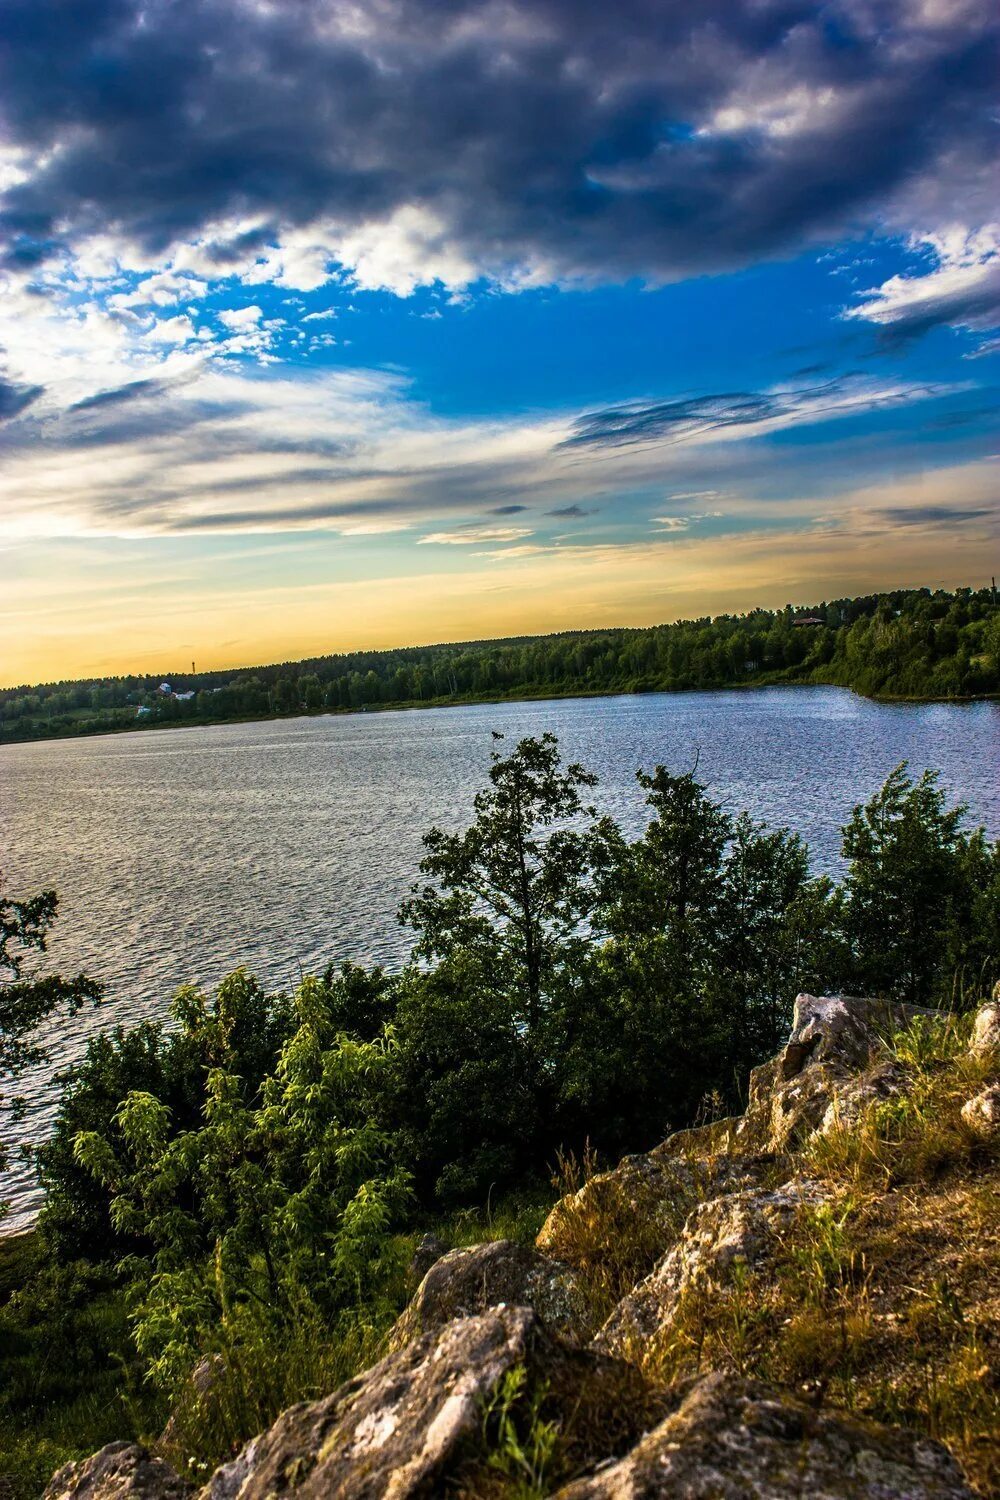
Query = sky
x=334 y=324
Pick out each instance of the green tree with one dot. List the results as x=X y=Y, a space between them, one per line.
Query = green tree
x=240 y=1025
x=511 y=893
x=27 y=995
x=267 y=1209
x=905 y=848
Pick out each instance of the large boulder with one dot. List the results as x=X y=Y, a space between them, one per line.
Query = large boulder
x=120 y=1471
x=833 y=1064
x=414 y=1424
x=392 y=1431
x=986 y=1030
x=744 y=1228
x=730 y=1439
x=481 y=1276
x=982 y=1112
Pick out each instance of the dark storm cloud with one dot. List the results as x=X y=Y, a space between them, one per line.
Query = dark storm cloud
x=569 y=512
x=506 y=510
x=571 y=135
x=15 y=397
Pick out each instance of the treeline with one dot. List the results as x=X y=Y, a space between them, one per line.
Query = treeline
x=909 y=643
x=251 y=1172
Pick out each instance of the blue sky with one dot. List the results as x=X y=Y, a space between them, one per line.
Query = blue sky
x=329 y=326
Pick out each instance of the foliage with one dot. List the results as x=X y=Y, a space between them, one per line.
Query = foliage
x=241 y=1022
x=27 y=996
x=266 y=1207
x=255 y=1167
x=71 y=1380
x=907 y=643
x=909 y=867
x=519 y=1442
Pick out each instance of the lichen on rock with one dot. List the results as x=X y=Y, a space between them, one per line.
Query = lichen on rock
x=730 y=1439
x=119 y=1471
x=500 y=1272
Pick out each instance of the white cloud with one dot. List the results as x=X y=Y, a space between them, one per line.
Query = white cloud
x=240 y=318
x=475 y=534
x=176 y=330
x=962 y=288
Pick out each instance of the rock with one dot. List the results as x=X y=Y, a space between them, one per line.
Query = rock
x=743 y=1227
x=831 y=1066
x=986 y=1030
x=982 y=1113
x=115 y=1472
x=429 y=1250
x=390 y=1432
x=637 y=1211
x=730 y=1439
x=471 y=1280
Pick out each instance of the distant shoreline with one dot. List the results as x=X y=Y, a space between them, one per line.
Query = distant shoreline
x=143 y=726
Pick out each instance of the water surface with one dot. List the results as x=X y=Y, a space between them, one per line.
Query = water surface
x=179 y=854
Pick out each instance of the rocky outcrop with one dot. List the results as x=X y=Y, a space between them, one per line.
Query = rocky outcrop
x=736 y=1228
x=121 y=1471
x=986 y=1030
x=390 y=1431
x=644 y=1203
x=833 y=1065
x=730 y=1439
x=482 y=1276
x=982 y=1112
x=664 y=1234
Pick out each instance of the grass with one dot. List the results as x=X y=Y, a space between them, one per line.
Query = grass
x=884 y=1298
x=917 y=1133
x=70 y=1380
x=613 y=1227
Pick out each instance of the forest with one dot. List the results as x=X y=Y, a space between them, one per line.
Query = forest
x=246 y=1182
x=911 y=643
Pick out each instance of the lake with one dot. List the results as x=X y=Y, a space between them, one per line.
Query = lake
x=179 y=854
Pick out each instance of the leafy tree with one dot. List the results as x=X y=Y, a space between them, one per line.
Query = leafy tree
x=775 y=934
x=511 y=893
x=265 y=1207
x=667 y=887
x=505 y=923
x=903 y=891
x=240 y=1025
x=28 y=996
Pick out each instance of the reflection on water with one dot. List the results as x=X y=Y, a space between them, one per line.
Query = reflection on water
x=178 y=854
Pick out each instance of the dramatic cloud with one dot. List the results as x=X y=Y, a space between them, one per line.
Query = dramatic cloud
x=421 y=140
x=962 y=287
x=15 y=398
